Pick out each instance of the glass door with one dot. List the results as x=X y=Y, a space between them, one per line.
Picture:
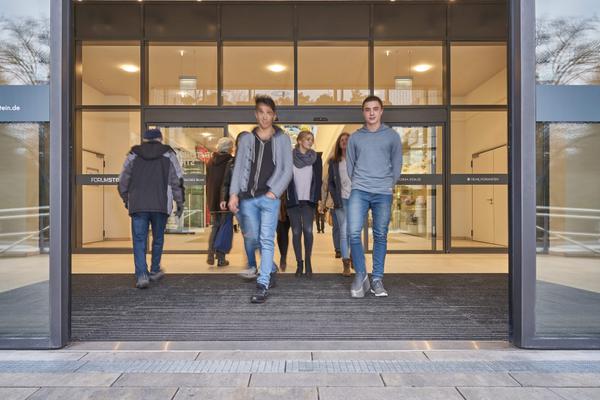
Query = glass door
x=194 y=145
x=416 y=223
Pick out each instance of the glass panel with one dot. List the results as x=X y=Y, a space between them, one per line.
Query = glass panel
x=417 y=210
x=568 y=42
x=409 y=75
x=194 y=147
x=110 y=74
x=250 y=69
x=106 y=138
x=183 y=75
x=24 y=230
x=479 y=73
x=332 y=73
x=568 y=226
x=479 y=216
x=474 y=133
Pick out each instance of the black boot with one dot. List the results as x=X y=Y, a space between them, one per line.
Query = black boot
x=308 y=267
x=210 y=259
x=299 y=269
x=221 y=261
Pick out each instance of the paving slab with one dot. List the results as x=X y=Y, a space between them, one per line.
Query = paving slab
x=314 y=379
x=178 y=380
x=140 y=355
x=557 y=379
x=295 y=393
x=370 y=355
x=55 y=379
x=512 y=355
x=254 y=355
x=389 y=393
x=449 y=379
x=104 y=393
x=508 y=394
x=578 y=393
x=26 y=355
x=16 y=393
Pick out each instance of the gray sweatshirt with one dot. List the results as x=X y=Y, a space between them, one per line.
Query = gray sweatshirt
x=374 y=159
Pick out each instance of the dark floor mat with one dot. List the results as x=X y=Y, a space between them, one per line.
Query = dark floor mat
x=217 y=307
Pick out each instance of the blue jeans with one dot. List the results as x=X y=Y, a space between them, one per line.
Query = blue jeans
x=359 y=204
x=335 y=232
x=140 y=222
x=258 y=217
x=340 y=216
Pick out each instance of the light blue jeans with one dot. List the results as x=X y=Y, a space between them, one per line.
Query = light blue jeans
x=258 y=217
x=359 y=204
x=340 y=215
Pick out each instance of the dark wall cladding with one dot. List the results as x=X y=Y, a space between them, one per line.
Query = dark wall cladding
x=333 y=22
x=478 y=21
x=180 y=21
x=108 y=21
x=239 y=22
x=409 y=21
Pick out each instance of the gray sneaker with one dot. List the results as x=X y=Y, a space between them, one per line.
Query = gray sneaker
x=248 y=273
x=377 y=288
x=157 y=276
x=360 y=285
x=142 y=282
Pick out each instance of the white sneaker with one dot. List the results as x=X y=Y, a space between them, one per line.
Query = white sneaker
x=248 y=273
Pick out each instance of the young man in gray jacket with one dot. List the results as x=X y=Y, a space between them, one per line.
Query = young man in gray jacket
x=374 y=162
x=262 y=172
x=151 y=180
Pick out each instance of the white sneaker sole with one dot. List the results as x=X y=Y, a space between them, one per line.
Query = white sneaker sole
x=366 y=287
x=380 y=294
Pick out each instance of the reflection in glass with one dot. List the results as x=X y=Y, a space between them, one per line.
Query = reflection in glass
x=408 y=74
x=194 y=147
x=568 y=42
x=183 y=75
x=332 y=73
x=251 y=69
x=475 y=134
x=110 y=74
x=24 y=230
x=568 y=229
x=479 y=73
x=106 y=138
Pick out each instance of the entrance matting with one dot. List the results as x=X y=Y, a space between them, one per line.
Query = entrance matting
x=216 y=307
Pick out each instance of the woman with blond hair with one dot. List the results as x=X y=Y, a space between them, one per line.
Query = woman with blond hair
x=303 y=194
x=339 y=185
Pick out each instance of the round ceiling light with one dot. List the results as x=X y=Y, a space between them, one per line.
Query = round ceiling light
x=129 y=68
x=422 y=67
x=276 y=68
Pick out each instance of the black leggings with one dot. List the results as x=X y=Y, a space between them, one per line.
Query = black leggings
x=302 y=218
x=283 y=237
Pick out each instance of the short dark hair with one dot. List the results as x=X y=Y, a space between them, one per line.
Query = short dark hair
x=372 y=98
x=266 y=100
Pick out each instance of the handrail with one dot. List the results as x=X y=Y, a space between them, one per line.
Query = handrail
x=7 y=217
x=575 y=242
x=6 y=210
x=593 y=210
x=2 y=251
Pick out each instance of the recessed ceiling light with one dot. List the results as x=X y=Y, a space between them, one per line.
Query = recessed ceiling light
x=130 y=68
x=276 y=68
x=422 y=67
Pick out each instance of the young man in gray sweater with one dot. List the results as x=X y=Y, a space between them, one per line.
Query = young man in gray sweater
x=261 y=173
x=374 y=161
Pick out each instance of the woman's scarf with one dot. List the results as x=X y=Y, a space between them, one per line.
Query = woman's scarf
x=304 y=160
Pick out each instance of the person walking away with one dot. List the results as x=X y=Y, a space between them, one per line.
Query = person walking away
x=374 y=161
x=216 y=169
x=321 y=211
x=304 y=193
x=261 y=173
x=283 y=233
x=339 y=187
x=150 y=181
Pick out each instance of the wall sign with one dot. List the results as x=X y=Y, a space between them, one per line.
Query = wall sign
x=479 y=179
x=24 y=103
x=113 y=179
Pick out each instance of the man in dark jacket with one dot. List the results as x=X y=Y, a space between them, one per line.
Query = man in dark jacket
x=151 y=180
x=216 y=169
